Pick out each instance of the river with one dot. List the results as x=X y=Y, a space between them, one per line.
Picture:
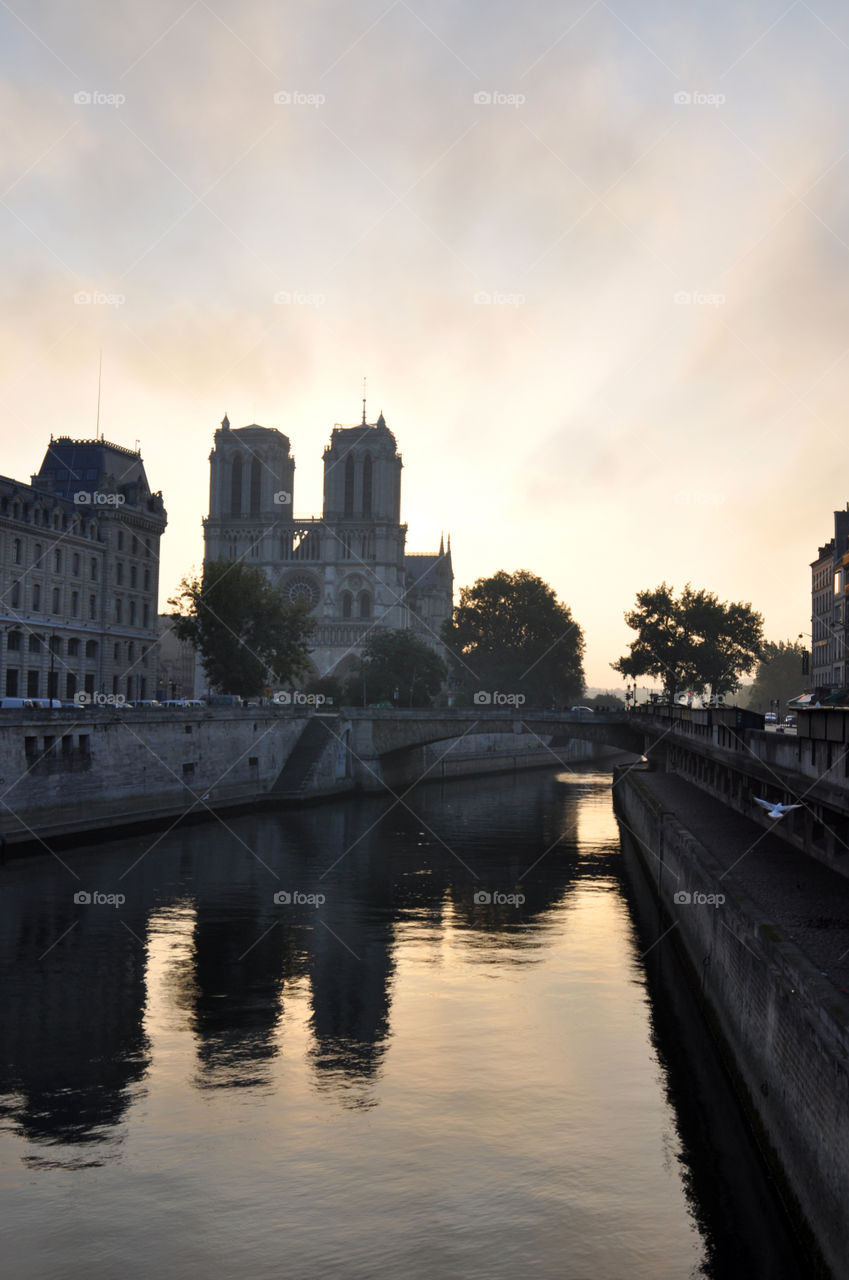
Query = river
x=453 y=1052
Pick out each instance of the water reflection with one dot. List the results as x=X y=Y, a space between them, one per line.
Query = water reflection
x=398 y=1016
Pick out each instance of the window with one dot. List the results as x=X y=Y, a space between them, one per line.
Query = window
x=133 y=576
x=32 y=684
x=367 y=485
x=92 y=607
x=236 y=487
x=36 y=598
x=119 y=573
x=256 y=486
x=132 y=613
x=14 y=642
x=70 y=681
x=93 y=569
x=347 y=604
x=120 y=540
x=91 y=648
x=75 y=564
x=135 y=545
x=131 y=651
x=73 y=648
x=349 y=486
x=57 y=561
x=56 y=605
x=119 y=611
x=37 y=554
x=18 y=551
x=365 y=604
x=11 y=682
x=145 y=615
x=116 y=653
x=16 y=595
x=75 y=604
x=147 y=579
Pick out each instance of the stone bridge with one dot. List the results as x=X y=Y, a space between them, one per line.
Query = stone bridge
x=377 y=739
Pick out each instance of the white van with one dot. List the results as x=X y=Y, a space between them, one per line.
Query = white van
x=17 y=704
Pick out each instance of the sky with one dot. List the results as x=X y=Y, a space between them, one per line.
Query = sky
x=591 y=257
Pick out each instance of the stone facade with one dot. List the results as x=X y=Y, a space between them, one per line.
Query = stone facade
x=829 y=593
x=350 y=563
x=79 y=574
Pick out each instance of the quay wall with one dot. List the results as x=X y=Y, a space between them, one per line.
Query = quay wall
x=784 y=1026
x=64 y=773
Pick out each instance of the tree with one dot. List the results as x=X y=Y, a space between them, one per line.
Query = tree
x=396 y=667
x=778 y=677
x=247 y=634
x=510 y=634
x=695 y=642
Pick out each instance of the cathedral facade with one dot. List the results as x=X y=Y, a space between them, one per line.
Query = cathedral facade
x=350 y=564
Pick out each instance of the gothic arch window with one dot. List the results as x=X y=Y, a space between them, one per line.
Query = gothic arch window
x=256 y=486
x=367 y=484
x=236 y=487
x=347 y=604
x=349 y=486
x=365 y=604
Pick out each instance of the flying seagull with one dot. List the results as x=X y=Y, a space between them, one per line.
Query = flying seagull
x=776 y=810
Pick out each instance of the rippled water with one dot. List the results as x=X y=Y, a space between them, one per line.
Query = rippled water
x=400 y=1081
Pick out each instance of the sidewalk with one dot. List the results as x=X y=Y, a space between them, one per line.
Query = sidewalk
x=805 y=900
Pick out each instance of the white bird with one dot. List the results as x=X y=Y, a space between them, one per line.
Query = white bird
x=776 y=810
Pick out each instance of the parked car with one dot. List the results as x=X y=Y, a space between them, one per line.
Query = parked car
x=770 y=718
x=588 y=710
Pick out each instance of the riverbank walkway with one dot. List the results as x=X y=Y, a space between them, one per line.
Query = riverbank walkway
x=805 y=900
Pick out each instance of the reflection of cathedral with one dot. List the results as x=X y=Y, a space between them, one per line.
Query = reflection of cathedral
x=350 y=563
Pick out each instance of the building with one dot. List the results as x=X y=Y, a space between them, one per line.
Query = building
x=829 y=596
x=176 y=663
x=79 y=574
x=350 y=563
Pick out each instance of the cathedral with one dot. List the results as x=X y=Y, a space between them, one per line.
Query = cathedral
x=350 y=564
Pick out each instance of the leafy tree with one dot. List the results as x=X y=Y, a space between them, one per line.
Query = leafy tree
x=510 y=634
x=395 y=662
x=330 y=687
x=778 y=677
x=694 y=642
x=247 y=634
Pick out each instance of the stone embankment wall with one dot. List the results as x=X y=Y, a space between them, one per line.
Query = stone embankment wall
x=783 y=1023
x=64 y=773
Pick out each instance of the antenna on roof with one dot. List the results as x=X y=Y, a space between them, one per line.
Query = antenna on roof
x=99 y=372
x=364 y=402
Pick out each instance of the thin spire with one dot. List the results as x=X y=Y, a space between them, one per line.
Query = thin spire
x=99 y=374
x=441 y=545
x=364 y=402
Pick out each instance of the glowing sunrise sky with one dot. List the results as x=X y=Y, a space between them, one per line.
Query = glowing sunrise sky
x=586 y=424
